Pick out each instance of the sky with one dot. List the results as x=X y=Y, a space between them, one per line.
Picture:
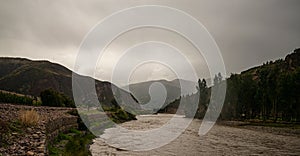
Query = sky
x=247 y=32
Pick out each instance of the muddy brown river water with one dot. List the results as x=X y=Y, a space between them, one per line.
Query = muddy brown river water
x=220 y=140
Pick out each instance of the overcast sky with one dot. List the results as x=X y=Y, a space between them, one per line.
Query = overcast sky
x=248 y=32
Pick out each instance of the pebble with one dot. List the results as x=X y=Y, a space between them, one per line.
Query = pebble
x=41 y=148
x=29 y=153
x=35 y=136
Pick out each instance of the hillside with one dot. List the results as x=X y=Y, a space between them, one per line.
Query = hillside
x=289 y=64
x=268 y=92
x=23 y=80
x=29 y=77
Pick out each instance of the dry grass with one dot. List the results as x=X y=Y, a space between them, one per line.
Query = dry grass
x=29 y=117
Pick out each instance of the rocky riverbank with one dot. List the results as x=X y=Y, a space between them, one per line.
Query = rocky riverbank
x=32 y=140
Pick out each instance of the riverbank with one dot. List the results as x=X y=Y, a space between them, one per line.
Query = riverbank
x=21 y=136
x=50 y=130
x=220 y=140
x=287 y=129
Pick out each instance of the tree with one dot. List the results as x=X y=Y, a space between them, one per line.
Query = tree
x=218 y=79
x=246 y=94
x=68 y=102
x=231 y=106
x=203 y=99
x=53 y=98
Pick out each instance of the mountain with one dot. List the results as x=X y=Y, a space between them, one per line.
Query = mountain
x=29 y=77
x=174 y=89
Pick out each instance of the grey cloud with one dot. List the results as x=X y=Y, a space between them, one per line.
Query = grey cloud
x=248 y=32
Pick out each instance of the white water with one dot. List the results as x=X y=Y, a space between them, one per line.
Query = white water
x=221 y=140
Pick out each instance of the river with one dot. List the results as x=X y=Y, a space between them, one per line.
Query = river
x=220 y=140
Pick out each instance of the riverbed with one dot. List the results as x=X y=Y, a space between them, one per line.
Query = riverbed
x=220 y=140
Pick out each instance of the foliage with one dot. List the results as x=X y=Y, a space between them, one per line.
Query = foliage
x=6 y=97
x=121 y=116
x=203 y=99
x=76 y=143
x=268 y=92
x=29 y=117
x=53 y=98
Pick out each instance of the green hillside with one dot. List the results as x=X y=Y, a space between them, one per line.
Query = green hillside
x=269 y=92
x=29 y=77
x=32 y=77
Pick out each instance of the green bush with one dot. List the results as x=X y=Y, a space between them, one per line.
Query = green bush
x=15 y=99
x=53 y=98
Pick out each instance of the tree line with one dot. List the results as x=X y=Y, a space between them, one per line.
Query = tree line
x=6 y=97
x=268 y=92
x=48 y=97
x=268 y=95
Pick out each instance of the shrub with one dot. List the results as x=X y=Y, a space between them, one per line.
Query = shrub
x=53 y=98
x=6 y=97
x=29 y=117
x=77 y=132
x=62 y=136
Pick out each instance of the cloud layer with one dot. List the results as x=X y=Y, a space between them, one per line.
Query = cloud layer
x=247 y=32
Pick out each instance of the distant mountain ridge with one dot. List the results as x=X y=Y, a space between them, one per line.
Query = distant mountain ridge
x=174 y=89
